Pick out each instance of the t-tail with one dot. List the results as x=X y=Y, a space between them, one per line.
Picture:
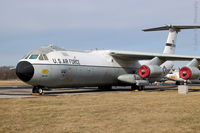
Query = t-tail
x=171 y=40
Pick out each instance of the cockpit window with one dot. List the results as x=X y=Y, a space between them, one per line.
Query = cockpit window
x=33 y=56
x=43 y=57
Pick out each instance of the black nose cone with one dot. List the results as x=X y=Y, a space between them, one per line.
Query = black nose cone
x=24 y=71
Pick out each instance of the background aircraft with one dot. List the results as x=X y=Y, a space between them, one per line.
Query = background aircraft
x=53 y=67
x=174 y=76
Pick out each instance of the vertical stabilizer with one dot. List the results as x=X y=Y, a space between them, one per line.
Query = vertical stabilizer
x=171 y=41
x=170 y=47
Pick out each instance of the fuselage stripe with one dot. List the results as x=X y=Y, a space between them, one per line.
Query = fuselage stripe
x=87 y=66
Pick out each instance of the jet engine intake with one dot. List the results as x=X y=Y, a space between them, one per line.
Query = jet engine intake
x=189 y=72
x=151 y=71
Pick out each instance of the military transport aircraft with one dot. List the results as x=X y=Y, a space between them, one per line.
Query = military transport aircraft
x=54 y=67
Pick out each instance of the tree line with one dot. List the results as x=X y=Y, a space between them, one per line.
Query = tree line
x=7 y=73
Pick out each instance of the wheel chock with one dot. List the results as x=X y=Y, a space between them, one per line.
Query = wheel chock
x=37 y=94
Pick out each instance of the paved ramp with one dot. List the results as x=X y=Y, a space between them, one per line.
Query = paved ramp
x=26 y=91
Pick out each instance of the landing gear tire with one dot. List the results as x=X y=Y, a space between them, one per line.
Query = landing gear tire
x=37 y=90
x=178 y=83
x=134 y=87
x=34 y=90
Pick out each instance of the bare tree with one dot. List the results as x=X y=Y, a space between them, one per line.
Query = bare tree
x=6 y=73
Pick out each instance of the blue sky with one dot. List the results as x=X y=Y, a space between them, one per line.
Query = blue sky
x=90 y=24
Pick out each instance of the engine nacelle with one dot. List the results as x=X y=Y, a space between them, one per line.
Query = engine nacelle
x=152 y=71
x=189 y=72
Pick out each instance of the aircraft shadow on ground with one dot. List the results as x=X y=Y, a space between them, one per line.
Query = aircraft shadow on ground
x=95 y=90
x=85 y=90
x=161 y=88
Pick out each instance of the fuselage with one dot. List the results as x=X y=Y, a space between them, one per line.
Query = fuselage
x=52 y=67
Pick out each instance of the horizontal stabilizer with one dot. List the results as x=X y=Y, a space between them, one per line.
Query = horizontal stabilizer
x=175 y=27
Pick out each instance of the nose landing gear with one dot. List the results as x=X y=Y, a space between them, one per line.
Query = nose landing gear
x=37 y=90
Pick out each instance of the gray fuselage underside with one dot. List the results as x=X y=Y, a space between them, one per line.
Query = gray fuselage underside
x=77 y=75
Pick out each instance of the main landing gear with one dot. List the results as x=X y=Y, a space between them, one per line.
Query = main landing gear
x=37 y=90
x=135 y=87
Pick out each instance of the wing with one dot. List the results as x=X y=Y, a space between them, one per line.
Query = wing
x=131 y=55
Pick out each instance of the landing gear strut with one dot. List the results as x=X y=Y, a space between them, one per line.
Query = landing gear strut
x=37 y=90
x=135 y=87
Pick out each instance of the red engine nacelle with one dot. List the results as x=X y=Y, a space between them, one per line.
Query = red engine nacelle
x=189 y=73
x=152 y=71
x=185 y=73
x=144 y=71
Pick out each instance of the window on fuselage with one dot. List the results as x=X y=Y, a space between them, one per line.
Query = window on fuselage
x=33 y=56
x=43 y=57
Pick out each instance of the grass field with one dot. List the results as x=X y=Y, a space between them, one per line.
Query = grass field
x=109 y=112
x=12 y=83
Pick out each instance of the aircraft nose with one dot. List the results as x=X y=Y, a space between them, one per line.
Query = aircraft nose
x=24 y=71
